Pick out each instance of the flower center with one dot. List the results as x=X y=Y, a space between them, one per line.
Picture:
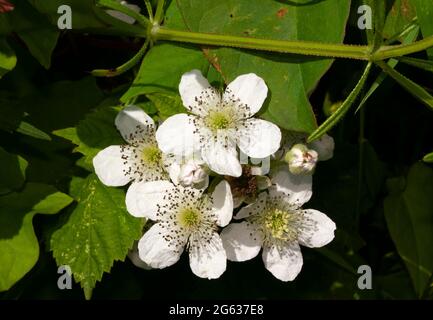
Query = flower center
x=245 y=185
x=218 y=120
x=151 y=155
x=280 y=225
x=189 y=218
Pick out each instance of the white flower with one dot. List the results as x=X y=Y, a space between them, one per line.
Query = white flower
x=277 y=223
x=184 y=218
x=190 y=173
x=219 y=123
x=121 y=16
x=140 y=159
x=301 y=160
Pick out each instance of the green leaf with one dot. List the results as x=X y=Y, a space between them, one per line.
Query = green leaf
x=32 y=131
x=162 y=69
x=409 y=216
x=401 y=14
x=19 y=248
x=428 y=158
x=426 y=65
x=290 y=79
x=96 y=132
x=424 y=10
x=167 y=104
x=12 y=171
x=341 y=111
x=8 y=59
x=337 y=259
x=416 y=90
x=35 y=30
x=61 y=104
x=98 y=232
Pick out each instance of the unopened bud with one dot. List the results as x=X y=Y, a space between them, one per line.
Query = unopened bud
x=193 y=174
x=324 y=147
x=124 y=17
x=301 y=160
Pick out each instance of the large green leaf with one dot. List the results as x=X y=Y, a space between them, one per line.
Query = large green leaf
x=401 y=14
x=98 y=232
x=289 y=78
x=94 y=133
x=424 y=11
x=35 y=30
x=8 y=59
x=19 y=248
x=409 y=215
x=428 y=157
x=167 y=104
x=61 y=104
x=12 y=171
x=163 y=67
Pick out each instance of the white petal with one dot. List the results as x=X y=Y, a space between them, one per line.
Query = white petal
x=241 y=241
x=157 y=252
x=255 y=208
x=135 y=258
x=131 y=119
x=259 y=138
x=174 y=171
x=298 y=188
x=192 y=85
x=250 y=90
x=222 y=159
x=142 y=198
x=209 y=259
x=317 y=229
x=324 y=147
x=284 y=263
x=110 y=167
x=223 y=203
x=176 y=135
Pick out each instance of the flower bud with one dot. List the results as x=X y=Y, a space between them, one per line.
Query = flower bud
x=324 y=147
x=135 y=258
x=121 y=16
x=193 y=174
x=301 y=160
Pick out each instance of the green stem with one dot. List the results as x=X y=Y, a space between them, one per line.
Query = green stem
x=360 y=164
x=341 y=111
x=124 y=67
x=149 y=9
x=159 y=11
x=402 y=50
x=294 y=47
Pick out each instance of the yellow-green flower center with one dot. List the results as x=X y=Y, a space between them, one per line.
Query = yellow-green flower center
x=280 y=224
x=189 y=218
x=218 y=121
x=151 y=155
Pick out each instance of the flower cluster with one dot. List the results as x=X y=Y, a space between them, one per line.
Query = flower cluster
x=188 y=175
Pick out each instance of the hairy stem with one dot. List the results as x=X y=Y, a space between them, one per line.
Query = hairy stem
x=386 y=52
x=294 y=47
